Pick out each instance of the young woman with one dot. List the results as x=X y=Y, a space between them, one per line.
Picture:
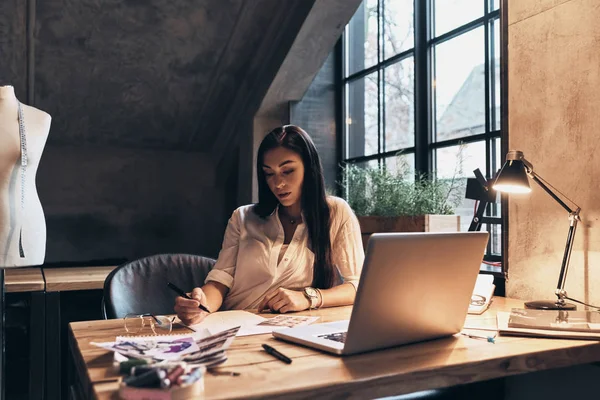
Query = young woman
x=296 y=249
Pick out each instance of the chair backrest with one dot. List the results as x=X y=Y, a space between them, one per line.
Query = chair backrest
x=140 y=286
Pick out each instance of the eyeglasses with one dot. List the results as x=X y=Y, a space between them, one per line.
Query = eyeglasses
x=478 y=300
x=160 y=324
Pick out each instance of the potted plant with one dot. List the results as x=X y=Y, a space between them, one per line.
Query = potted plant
x=395 y=201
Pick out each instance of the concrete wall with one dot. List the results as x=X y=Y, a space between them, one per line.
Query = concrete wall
x=145 y=99
x=107 y=202
x=554 y=103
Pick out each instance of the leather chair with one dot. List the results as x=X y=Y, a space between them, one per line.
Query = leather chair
x=140 y=286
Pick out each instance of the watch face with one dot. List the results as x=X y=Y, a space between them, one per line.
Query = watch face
x=311 y=292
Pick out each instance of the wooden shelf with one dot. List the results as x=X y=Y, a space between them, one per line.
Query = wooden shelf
x=76 y=278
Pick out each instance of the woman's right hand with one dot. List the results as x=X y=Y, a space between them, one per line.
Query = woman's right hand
x=187 y=310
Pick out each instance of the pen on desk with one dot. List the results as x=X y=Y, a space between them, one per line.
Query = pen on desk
x=184 y=294
x=223 y=373
x=277 y=354
x=490 y=339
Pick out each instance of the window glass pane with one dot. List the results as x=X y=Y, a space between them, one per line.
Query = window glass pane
x=495 y=4
x=497 y=160
x=361 y=38
x=398 y=31
x=460 y=86
x=399 y=114
x=402 y=163
x=356 y=190
x=362 y=116
x=450 y=14
x=496 y=239
x=496 y=31
x=368 y=164
x=457 y=163
x=495 y=164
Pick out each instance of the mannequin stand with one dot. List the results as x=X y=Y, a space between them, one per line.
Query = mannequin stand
x=2 y=355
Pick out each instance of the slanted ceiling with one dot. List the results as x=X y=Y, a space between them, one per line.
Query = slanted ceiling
x=150 y=74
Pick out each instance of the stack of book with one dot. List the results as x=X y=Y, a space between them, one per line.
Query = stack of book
x=550 y=323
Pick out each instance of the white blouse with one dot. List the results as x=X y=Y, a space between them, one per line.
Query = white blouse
x=249 y=265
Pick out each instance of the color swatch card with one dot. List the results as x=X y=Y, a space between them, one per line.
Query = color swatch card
x=191 y=349
x=288 y=321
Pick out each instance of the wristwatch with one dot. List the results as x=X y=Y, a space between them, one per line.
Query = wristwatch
x=312 y=296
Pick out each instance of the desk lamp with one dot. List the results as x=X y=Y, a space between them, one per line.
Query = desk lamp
x=513 y=179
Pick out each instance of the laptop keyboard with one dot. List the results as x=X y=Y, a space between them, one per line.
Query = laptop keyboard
x=336 y=337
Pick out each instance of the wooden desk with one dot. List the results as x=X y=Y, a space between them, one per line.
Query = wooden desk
x=18 y=280
x=405 y=369
x=64 y=280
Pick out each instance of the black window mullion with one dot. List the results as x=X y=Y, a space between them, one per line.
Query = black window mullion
x=493 y=89
x=463 y=29
x=423 y=164
x=382 y=83
x=340 y=111
x=486 y=52
x=378 y=156
x=488 y=103
x=385 y=63
x=380 y=32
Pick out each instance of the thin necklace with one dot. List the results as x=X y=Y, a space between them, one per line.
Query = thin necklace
x=23 y=139
x=289 y=217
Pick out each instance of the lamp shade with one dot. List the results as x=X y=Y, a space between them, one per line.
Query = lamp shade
x=512 y=178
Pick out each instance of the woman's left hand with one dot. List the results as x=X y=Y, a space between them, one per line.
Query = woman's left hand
x=284 y=300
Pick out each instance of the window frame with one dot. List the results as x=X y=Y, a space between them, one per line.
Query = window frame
x=424 y=147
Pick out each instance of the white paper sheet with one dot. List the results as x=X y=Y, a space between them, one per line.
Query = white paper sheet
x=250 y=324
x=223 y=320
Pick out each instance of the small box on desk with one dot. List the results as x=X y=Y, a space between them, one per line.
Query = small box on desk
x=158 y=383
x=176 y=390
x=192 y=391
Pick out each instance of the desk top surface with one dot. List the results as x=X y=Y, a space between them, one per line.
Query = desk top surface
x=405 y=369
x=24 y=280
x=76 y=278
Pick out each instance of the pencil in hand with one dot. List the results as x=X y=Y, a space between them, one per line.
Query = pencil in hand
x=185 y=295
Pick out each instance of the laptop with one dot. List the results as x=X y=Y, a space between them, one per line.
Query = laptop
x=413 y=287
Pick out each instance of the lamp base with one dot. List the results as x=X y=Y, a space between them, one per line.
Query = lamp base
x=550 y=305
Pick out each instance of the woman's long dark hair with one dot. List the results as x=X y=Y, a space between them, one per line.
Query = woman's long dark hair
x=314 y=202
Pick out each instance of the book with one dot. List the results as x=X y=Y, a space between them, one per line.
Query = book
x=566 y=320
x=543 y=327
x=482 y=294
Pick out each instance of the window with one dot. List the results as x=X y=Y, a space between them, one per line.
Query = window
x=422 y=77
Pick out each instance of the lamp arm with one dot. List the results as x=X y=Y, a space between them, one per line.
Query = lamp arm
x=574 y=217
x=535 y=177
x=561 y=293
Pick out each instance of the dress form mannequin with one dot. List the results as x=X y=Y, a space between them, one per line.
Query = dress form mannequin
x=22 y=223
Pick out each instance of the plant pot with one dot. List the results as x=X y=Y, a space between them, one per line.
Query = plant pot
x=417 y=223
